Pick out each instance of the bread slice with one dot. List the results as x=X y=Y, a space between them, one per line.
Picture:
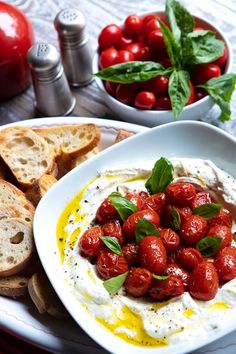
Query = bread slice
x=14 y=197
x=122 y=134
x=25 y=153
x=7 y=212
x=16 y=245
x=70 y=141
x=14 y=286
x=44 y=297
x=39 y=189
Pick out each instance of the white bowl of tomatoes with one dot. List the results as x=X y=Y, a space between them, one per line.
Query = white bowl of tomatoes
x=140 y=39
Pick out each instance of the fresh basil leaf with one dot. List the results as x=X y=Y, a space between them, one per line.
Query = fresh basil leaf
x=112 y=285
x=144 y=228
x=180 y=20
x=161 y=176
x=202 y=47
x=220 y=89
x=175 y=220
x=172 y=47
x=160 y=277
x=132 y=71
x=208 y=246
x=179 y=90
x=208 y=210
x=112 y=243
x=123 y=205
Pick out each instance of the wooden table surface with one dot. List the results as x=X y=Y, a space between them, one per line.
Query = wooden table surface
x=89 y=102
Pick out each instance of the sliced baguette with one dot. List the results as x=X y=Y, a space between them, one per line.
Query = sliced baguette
x=14 y=286
x=7 y=212
x=121 y=135
x=44 y=297
x=16 y=245
x=39 y=188
x=14 y=197
x=25 y=153
x=70 y=141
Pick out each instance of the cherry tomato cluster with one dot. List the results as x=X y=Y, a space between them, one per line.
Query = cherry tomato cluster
x=141 y=39
x=168 y=263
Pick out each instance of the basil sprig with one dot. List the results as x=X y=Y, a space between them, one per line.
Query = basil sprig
x=112 y=243
x=220 y=89
x=144 y=228
x=208 y=210
x=175 y=220
x=161 y=176
x=172 y=46
x=123 y=205
x=132 y=71
x=179 y=90
x=112 y=285
x=160 y=277
x=208 y=246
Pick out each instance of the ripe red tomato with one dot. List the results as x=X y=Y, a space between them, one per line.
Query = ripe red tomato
x=138 y=282
x=134 y=48
x=143 y=54
x=205 y=72
x=125 y=93
x=152 y=254
x=199 y=93
x=107 y=57
x=130 y=223
x=114 y=229
x=200 y=199
x=164 y=289
x=160 y=85
x=178 y=272
x=111 y=87
x=90 y=242
x=124 y=42
x=109 y=36
x=170 y=240
x=145 y=100
x=180 y=193
x=156 y=202
x=130 y=252
x=224 y=217
x=156 y=42
x=193 y=229
x=133 y=26
x=225 y=264
x=163 y=103
x=148 y=17
x=189 y=258
x=151 y=25
x=222 y=231
x=123 y=56
x=203 y=282
x=223 y=59
x=192 y=95
x=106 y=212
x=110 y=264
x=16 y=37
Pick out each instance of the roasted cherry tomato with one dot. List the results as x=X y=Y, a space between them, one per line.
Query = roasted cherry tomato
x=203 y=282
x=133 y=26
x=177 y=271
x=130 y=223
x=138 y=282
x=130 y=252
x=135 y=199
x=152 y=254
x=224 y=217
x=222 y=231
x=161 y=290
x=193 y=229
x=225 y=264
x=106 y=212
x=189 y=258
x=110 y=264
x=110 y=36
x=156 y=202
x=180 y=193
x=160 y=85
x=200 y=199
x=223 y=59
x=123 y=56
x=184 y=213
x=205 y=72
x=145 y=100
x=107 y=57
x=170 y=240
x=163 y=103
x=90 y=242
x=114 y=229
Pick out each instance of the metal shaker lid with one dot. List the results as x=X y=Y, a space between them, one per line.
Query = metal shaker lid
x=70 y=21
x=43 y=57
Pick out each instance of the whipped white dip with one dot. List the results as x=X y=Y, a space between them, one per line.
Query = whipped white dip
x=137 y=320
